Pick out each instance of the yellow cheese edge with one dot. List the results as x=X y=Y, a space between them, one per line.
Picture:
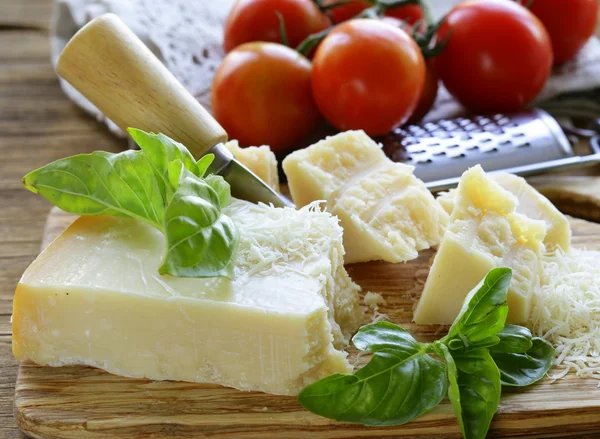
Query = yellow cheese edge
x=259 y=159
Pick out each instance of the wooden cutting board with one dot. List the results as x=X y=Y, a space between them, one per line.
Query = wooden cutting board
x=82 y=402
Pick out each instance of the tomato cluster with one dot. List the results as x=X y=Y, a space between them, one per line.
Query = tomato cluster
x=370 y=74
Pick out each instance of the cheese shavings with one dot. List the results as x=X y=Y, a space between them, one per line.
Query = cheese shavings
x=567 y=311
x=276 y=241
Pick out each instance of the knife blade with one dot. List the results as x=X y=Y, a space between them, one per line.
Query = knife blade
x=250 y=189
x=111 y=67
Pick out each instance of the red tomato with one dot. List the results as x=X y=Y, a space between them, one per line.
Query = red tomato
x=427 y=99
x=367 y=75
x=261 y=94
x=569 y=23
x=498 y=56
x=409 y=13
x=257 y=20
x=347 y=11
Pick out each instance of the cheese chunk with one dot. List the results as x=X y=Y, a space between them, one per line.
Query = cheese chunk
x=485 y=232
x=95 y=297
x=259 y=159
x=386 y=212
x=531 y=204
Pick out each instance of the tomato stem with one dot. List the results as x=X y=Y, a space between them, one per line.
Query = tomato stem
x=282 y=30
x=328 y=7
x=423 y=38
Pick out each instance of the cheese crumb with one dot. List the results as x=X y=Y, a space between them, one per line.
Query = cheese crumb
x=374 y=300
x=566 y=311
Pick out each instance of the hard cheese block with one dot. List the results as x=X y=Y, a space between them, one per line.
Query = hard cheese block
x=259 y=159
x=531 y=204
x=485 y=232
x=386 y=212
x=94 y=297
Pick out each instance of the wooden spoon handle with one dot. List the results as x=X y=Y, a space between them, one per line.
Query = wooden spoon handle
x=111 y=67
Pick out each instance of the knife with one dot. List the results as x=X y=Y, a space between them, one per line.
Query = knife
x=107 y=63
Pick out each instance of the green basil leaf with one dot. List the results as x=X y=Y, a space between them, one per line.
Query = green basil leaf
x=102 y=183
x=479 y=388
x=483 y=313
x=400 y=382
x=382 y=335
x=453 y=389
x=174 y=170
x=513 y=338
x=203 y=163
x=522 y=369
x=162 y=150
x=221 y=187
x=201 y=240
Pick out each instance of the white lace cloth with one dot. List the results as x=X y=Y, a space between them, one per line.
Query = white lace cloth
x=187 y=36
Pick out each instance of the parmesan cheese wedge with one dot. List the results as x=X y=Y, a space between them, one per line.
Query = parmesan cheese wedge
x=259 y=159
x=386 y=212
x=485 y=232
x=94 y=297
x=531 y=204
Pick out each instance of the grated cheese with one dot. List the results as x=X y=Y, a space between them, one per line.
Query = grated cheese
x=566 y=311
x=374 y=300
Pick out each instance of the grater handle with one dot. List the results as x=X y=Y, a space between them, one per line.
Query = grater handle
x=528 y=170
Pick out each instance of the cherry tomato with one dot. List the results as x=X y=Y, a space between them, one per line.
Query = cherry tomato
x=569 y=23
x=348 y=10
x=409 y=13
x=427 y=99
x=257 y=20
x=367 y=75
x=498 y=56
x=261 y=94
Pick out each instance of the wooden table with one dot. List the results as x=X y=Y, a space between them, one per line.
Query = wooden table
x=38 y=124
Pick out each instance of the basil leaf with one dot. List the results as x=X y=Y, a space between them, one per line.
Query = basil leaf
x=201 y=240
x=522 y=369
x=161 y=185
x=102 y=183
x=478 y=382
x=221 y=187
x=174 y=170
x=483 y=313
x=453 y=389
x=381 y=335
x=203 y=163
x=400 y=382
x=513 y=338
x=160 y=151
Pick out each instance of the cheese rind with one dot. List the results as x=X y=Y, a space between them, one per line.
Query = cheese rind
x=485 y=232
x=530 y=203
x=259 y=159
x=94 y=297
x=386 y=212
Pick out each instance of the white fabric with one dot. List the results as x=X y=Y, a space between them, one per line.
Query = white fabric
x=187 y=36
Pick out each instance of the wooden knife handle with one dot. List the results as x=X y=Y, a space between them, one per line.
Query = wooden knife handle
x=112 y=68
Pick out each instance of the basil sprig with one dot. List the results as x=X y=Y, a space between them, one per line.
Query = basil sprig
x=162 y=185
x=521 y=359
x=406 y=378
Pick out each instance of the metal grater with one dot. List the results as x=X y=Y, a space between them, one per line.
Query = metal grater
x=526 y=143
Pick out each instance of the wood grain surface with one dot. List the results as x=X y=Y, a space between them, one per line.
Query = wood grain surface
x=38 y=124
x=82 y=402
